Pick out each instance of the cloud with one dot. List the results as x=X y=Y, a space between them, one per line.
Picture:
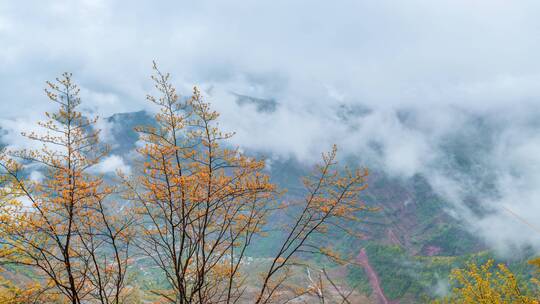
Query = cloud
x=478 y=53
x=513 y=222
x=448 y=90
x=13 y=129
x=106 y=131
x=36 y=176
x=111 y=164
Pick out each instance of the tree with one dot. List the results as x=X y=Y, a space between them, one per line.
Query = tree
x=65 y=231
x=486 y=284
x=29 y=291
x=201 y=204
x=193 y=210
x=332 y=201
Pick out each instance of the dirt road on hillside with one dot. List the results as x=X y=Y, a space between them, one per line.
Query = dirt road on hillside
x=374 y=281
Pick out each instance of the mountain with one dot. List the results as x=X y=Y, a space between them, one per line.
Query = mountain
x=121 y=130
x=406 y=249
x=411 y=241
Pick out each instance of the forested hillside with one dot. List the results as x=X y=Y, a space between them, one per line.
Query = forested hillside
x=197 y=220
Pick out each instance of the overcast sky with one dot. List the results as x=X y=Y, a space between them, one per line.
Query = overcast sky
x=477 y=53
x=419 y=72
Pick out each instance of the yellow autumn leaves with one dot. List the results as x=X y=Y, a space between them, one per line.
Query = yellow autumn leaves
x=192 y=209
x=490 y=284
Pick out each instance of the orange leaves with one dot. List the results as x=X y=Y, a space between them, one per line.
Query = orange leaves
x=200 y=203
x=31 y=292
x=536 y=263
x=333 y=255
x=325 y=209
x=280 y=260
x=64 y=230
x=332 y=199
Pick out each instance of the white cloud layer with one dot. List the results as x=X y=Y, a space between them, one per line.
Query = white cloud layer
x=111 y=164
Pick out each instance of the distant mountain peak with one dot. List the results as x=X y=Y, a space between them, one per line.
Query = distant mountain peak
x=261 y=104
